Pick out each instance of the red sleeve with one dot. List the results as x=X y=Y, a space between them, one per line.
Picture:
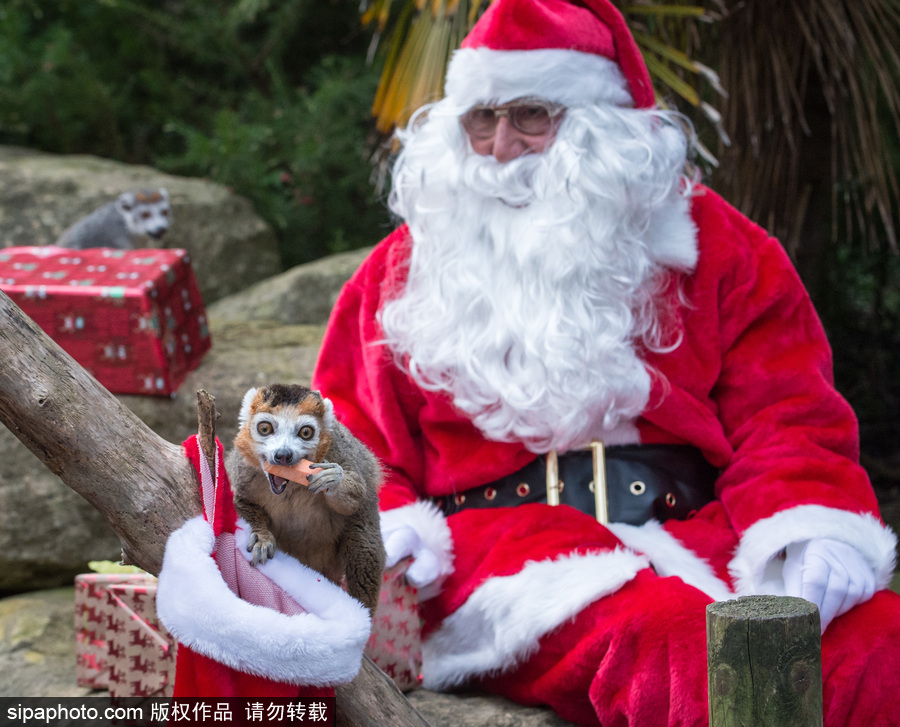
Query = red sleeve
x=371 y=396
x=794 y=439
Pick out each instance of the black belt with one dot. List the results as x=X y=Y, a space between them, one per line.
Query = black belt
x=638 y=482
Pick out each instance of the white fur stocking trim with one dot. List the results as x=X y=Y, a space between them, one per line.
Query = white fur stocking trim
x=319 y=648
x=756 y=569
x=670 y=558
x=502 y=621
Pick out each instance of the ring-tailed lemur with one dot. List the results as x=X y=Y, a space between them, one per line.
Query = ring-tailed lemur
x=330 y=524
x=132 y=215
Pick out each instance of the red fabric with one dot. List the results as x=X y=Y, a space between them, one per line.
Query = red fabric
x=751 y=385
x=596 y=27
x=133 y=318
x=638 y=657
x=197 y=675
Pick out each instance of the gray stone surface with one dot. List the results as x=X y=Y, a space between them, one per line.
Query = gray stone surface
x=37 y=645
x=42 y=194
x=304 y=294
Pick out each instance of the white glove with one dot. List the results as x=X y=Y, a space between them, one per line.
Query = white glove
x=830 y=574
x=401 y=541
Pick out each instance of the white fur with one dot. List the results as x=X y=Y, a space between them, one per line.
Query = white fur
x=430 y=525
x=568 y=77
x=244 y=414
x=501 y=622
x=670 y=558
x=319 y=648
x=757 y=569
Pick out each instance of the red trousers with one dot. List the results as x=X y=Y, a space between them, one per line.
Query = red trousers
x=638 y=657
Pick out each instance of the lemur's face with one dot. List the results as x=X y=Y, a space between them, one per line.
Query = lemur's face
x=146 y=212
x=280 y=425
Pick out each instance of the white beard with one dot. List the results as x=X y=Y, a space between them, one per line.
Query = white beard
x=531 y=282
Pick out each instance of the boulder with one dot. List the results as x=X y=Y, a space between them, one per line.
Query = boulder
x=37 y=645
x=304 y=294
x=42 y=194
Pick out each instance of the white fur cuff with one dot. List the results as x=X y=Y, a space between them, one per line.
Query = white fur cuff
x=430 y=525
x=756 y=569
x=503 y=620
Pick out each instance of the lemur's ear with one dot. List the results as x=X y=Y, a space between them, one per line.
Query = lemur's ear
x=329 y=412
x=125 y=202
x=244 y=415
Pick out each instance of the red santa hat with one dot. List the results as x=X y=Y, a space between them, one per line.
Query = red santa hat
x=568 y=53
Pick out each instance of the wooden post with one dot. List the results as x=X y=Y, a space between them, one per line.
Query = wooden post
x=765 y=662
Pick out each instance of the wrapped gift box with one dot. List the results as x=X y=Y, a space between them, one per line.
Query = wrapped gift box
x=396 y=641
x=133 y=318
x=141 y=651
x=119 y=643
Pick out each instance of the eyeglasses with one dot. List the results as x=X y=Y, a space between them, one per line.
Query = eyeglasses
x=528 y=117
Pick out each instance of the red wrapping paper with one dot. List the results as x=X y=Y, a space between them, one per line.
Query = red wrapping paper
x=134 y=319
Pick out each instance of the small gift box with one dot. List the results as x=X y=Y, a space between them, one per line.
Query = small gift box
x=93 y=611
x=141 y=652
x=119 y=643
x=396 y=641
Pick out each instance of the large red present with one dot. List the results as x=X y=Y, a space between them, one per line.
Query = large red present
x=133 y=318
x=120 y=644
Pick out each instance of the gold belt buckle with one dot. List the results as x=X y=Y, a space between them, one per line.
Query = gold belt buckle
x=597 y=486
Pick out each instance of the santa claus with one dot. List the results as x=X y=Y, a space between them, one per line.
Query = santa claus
x=601 y=395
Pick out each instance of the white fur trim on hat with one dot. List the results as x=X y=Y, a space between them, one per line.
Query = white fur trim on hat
x=320 y=648
x=503 y=620
x=757 y=570
x=567 y=77
x=670 y=557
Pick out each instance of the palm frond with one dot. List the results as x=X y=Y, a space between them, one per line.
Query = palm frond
x=812 y=84
x=418 y=38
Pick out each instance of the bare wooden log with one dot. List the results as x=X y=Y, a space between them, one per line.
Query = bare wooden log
x=373 y=700
x=142 y=485
x=764 y=662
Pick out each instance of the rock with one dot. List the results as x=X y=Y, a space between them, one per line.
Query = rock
x=42 y=194
x=479 y=710
x=304 y=294
x=37 y=645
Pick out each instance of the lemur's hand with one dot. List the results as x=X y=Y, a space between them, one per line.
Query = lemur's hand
x=262 y=545
x=327 y=479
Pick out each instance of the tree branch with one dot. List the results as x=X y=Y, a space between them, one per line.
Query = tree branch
x=142 y=485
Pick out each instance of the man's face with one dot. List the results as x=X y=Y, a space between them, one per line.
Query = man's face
x=511 y=130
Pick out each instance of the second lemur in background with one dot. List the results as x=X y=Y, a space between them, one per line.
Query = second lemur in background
x=122 y=222
x=331 y=525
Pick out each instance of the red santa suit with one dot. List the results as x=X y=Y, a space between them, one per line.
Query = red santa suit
x=750 y=386
x=606 y=624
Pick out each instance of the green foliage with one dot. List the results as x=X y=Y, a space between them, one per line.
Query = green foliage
x=300 y=155
x=242 y=91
